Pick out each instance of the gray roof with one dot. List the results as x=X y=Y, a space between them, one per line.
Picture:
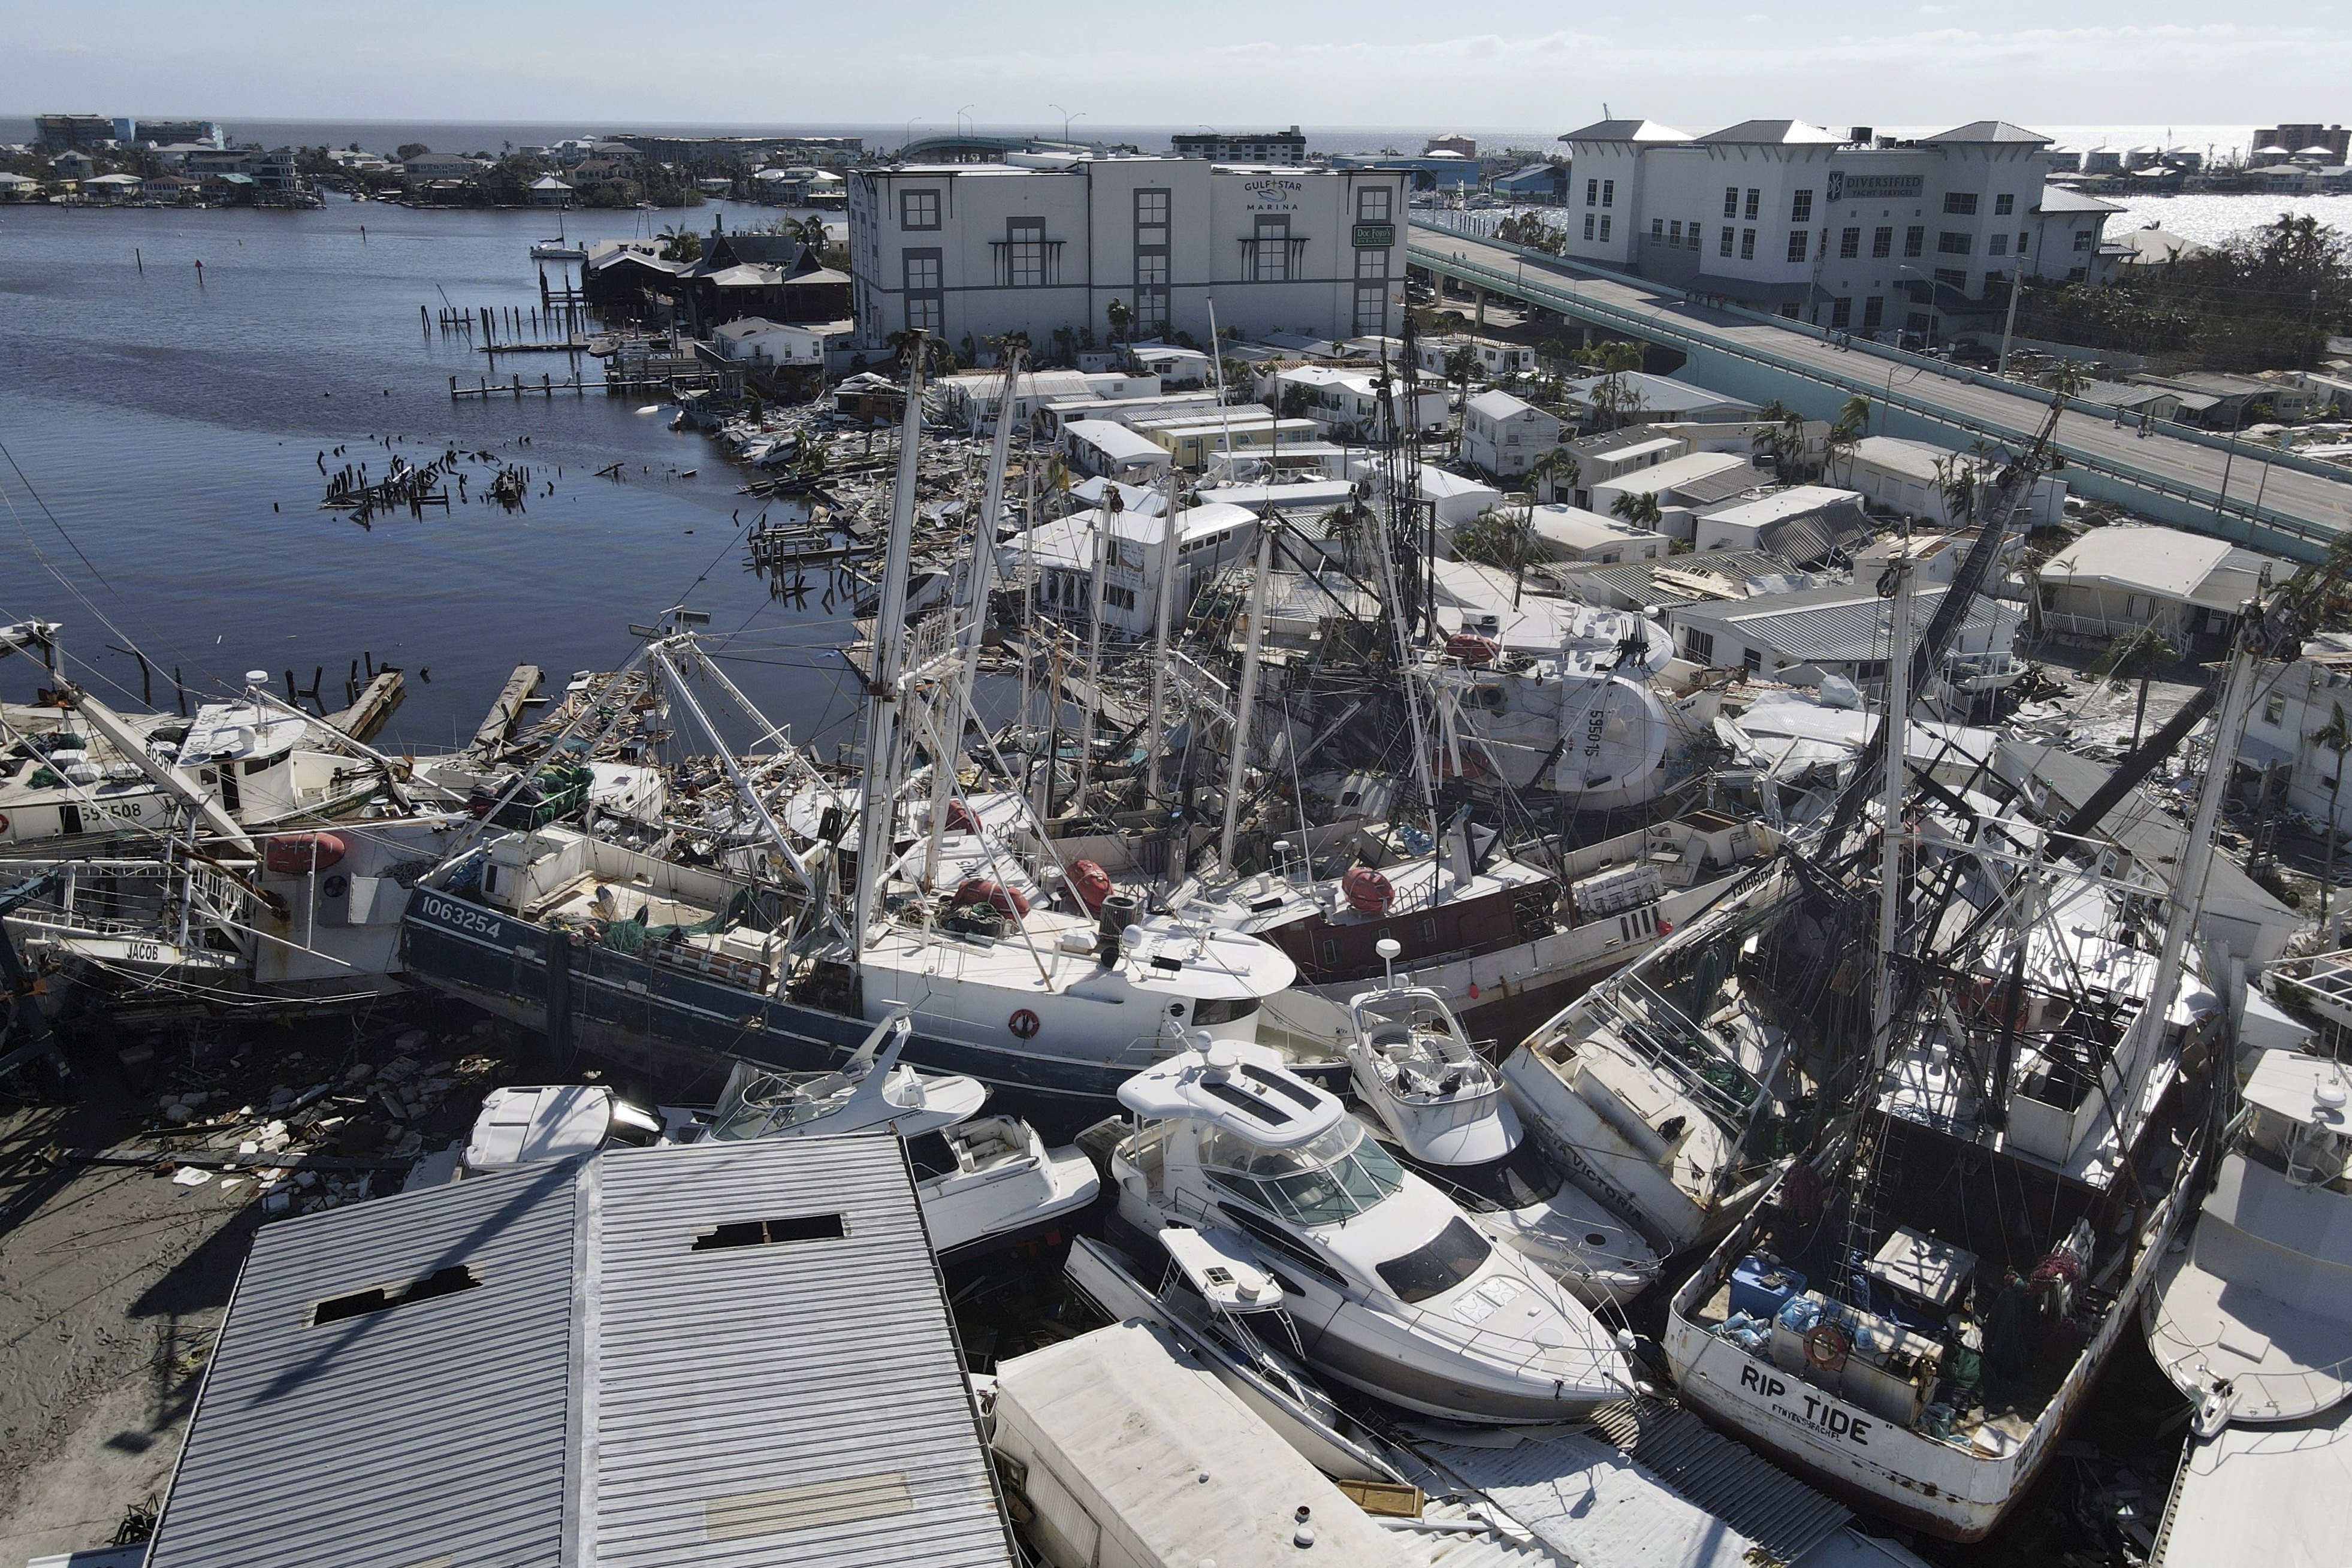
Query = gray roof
x=1982 y=131
x=1842 y=624
x=1627 y=130
x=1838 y=528
x=1773 y=134
x=603 y=1391
x=1637 y=581
x=1710 y=488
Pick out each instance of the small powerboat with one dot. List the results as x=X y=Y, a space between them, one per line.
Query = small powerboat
x=1442 y=1106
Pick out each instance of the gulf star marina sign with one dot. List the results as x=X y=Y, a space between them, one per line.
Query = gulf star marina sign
x=1272 y=195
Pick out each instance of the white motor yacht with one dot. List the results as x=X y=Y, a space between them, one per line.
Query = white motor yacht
x=1444 y=1106
x=1396 y=1292
x=2253 y=1320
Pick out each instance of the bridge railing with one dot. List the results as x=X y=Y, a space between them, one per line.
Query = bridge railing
x=2296 y=535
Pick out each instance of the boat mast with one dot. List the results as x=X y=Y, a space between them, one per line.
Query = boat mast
x=1105 y=537
x=877 y=822
x=977 y=584
x=1245 y=700
x=2186 y=906
x=1896 y=721
x=1164 y=614
x=1393 y=495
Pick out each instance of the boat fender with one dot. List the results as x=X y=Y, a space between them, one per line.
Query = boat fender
x=1005 y=901
x=300 y=854
x=1090 y=884
x=1827 y=1345
x=1367 y=890
x=962 y=818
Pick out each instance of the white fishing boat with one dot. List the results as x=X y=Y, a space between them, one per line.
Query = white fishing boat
x=1443 y=1106
x=2253 y=1318
x=1398 y=1292
x=1913 y=1316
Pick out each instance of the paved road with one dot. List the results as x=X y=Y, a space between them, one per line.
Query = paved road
x=2298 y=511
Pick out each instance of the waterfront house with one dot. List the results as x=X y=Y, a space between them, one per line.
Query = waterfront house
x=17 y=187
x=2117 y=579
x=1909 y=478
x=1209 y=538
x=779 y=345
x=114 y=188
x=72 y=165
x=1601 y=456
x=1808 y=524
x=1639 y=398
x=427 y=167
x=1573 y=534
x=1496 y=360
x=548 y=191
x=1102 y=446
x=1503 y=435
x=1680 y=486
x=1838 y=629
x=1347 y=403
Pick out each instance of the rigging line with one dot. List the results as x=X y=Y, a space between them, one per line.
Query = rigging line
x=36 y=494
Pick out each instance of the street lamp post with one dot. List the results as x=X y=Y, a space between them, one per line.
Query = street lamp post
x=1067 y=118
x=960 y=114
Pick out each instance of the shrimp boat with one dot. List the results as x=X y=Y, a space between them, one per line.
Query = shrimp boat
x=1914 y=1314
x=782 y=949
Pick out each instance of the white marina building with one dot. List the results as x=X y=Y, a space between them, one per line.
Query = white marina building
x=1850 y=232
x=1048 y=241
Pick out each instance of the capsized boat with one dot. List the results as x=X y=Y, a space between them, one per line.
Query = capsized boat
x=1444 y=1108
x=1397 y=1293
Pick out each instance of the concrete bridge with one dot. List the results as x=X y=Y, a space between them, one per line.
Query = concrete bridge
x=2246 y=493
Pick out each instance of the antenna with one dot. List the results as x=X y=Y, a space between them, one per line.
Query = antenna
x=1388 y=947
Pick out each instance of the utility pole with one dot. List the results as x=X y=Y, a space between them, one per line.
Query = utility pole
x=2008 y=326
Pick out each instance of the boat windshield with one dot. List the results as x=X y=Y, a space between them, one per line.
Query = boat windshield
x=1333 y=1178
x=1448 y=1259
x=1520 y=1179
x=770 y=1103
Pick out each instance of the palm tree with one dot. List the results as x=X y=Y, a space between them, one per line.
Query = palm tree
x=1780 y=433
x=1956 y=481
x=1122 y=322
x=2139 y=653
x=1638 y=507
x=1846 y=431
x=1556 y=470
x=1611 y=398
x=2337 y=737
x=679 y=242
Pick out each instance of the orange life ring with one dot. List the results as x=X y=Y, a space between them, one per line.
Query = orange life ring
x=1827 y=1346
x=1023 y=1024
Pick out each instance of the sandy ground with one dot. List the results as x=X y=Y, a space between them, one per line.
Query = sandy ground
x=111 y=1284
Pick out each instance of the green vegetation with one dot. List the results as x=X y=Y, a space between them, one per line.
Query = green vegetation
x=2266 y=300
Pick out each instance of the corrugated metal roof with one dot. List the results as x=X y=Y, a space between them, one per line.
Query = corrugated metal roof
x=1757 y=1499
x=1839 y=624
x=606 y=1393
x=1590 y=1503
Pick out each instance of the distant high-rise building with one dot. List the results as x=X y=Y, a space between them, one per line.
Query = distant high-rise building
x=1467 y=146
x=65 y=133
x=2337 y=139
x=1287 y=148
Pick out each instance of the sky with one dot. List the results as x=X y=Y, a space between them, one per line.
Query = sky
x=1016 y=64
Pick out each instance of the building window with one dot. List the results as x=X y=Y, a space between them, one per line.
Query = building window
x=1658 y=230
x=1731 y=201
x=1371 y=309
x=1747 y=244
x=1270 y=248
x=1801 y=208
x=2274 y=705
x=1874 y=313
x=1755 y=200
x=1789 y=311
x=1024 y=252
x=1588 y=225
x=1151 y=306
x=1881 y=244
x=1605 y=230
x=1151 y=266
x=1953 y=242
x=2021 y=242
x=1841 y=313
x=1752 y=660
x=919 y=275
x=1607 y=194
x=1372 y=205
x=1591 y=195
x=2002 y=206
x=1698 y=646
x=1849 y=245
x=1961 y=203
x=1915 y=240
x=1690 y=237
x=1996 y=244
x=2086 y=238
x=1953 y=276
x=919 y=209
x=1797 y=244
x=1151 y=208
x=1370 y=264
x=1724 y=248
